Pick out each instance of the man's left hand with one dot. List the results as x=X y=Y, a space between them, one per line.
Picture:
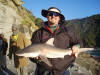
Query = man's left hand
x=75 y=50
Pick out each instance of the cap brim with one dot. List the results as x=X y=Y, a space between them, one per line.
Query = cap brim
x=45 y=12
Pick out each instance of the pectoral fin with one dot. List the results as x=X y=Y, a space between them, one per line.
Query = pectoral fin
x=45 y=59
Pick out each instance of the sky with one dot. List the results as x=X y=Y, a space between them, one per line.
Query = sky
x=71 y=9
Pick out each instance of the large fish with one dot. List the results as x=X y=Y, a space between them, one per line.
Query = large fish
x=45 y=51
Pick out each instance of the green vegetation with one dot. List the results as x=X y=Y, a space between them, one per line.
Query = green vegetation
x=38 y=22
x=88 y=29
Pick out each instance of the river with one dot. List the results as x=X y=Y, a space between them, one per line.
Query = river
x=95 y=54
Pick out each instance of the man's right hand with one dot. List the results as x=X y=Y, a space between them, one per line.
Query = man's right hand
x=38 y=58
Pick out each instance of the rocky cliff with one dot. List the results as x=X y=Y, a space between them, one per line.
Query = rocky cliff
x=12 y=12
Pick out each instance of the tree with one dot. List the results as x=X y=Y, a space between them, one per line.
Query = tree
x=38 y=22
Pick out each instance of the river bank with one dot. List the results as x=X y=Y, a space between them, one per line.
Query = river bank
x=87 y=61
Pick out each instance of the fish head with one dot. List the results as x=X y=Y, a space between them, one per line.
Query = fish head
x=30 y=51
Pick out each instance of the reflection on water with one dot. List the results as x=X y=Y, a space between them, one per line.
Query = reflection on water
x=95 y=54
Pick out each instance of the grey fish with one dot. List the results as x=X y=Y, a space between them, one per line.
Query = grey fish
x=45 y=51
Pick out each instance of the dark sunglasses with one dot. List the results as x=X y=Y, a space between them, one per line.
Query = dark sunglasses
x=53 y=14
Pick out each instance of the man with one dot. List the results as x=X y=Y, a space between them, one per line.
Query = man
x=63 y=36
x=18 y=41
x=3 y=50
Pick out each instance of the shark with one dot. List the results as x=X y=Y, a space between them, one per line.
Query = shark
x=45 y=51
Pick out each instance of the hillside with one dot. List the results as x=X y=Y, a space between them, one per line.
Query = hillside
x=88 y=29
x=27 y=17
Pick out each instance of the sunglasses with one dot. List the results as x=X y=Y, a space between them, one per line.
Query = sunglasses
x=53 y=14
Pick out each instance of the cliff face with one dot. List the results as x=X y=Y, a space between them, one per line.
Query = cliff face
x=26 y=15
x=8 y=17
x=12 y=12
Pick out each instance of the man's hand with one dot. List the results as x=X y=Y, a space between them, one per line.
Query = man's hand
x=75 y=50
x=38 y=58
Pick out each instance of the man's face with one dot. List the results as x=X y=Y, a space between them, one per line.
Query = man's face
x=15 y=31
x=53 y=18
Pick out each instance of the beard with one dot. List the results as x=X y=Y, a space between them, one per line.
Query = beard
x=53 y=22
